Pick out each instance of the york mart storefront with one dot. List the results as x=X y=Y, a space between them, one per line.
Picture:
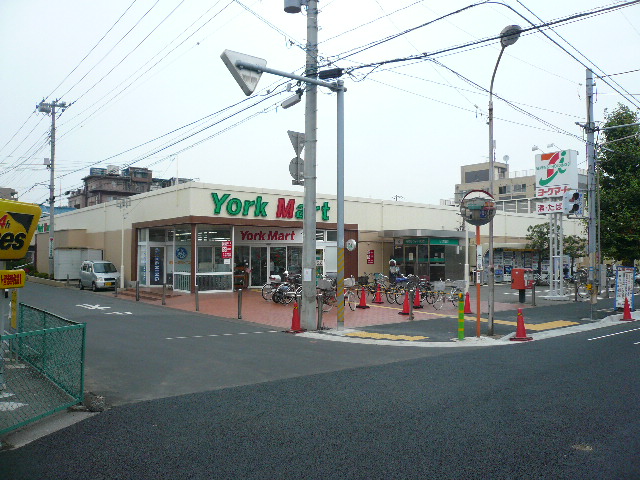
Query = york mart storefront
x=243 y=239
x=222 y=252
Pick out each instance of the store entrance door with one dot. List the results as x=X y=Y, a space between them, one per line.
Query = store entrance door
x=415 y=260
x=277 y=261
x=258 y=266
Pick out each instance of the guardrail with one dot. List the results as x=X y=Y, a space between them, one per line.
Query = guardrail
x=43 y=362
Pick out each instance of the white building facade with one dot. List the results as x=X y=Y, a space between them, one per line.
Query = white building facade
x=209 y=235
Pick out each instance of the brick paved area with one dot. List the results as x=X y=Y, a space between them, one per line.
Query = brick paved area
x=257 y=310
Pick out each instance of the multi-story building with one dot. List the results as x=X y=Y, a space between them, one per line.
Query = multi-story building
x=106 y=184
x=513 y=191
x=8 y=193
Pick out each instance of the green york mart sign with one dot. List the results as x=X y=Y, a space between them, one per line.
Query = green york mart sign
x=432 y=241
x=286 y=208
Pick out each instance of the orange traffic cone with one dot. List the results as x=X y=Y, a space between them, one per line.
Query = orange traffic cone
x=417 y=303
x=363 y=300
x=295 y=320
x=521 y=332
x=378 y=298
x=405 y=306
x=467 y=304
x=627 y=310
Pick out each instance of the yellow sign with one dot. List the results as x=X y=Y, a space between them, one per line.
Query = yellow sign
x=18 y=222
x=12 y=278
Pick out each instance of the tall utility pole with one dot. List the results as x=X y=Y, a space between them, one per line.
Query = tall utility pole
x=591 y=188
x=308 y=302
x=50 y=108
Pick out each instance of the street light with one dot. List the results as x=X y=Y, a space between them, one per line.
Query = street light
x=508 y=36
x=241 y=66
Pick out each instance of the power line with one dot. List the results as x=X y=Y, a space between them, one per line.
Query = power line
x=579 y=52
x=175 y=142
x=133 y=50
x=95 y=111
x=112 y=48
x=92 y=49
x=581 y=16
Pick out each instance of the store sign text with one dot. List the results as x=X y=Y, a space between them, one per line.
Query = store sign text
x=286 y=208
x=271 y=235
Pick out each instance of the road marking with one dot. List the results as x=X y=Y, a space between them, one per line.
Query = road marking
x=612 y=334
x=92 y=307
x=9 y=406
x=219 y=334
x=385 y=336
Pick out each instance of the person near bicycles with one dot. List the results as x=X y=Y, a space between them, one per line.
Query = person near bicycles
x=394 y=270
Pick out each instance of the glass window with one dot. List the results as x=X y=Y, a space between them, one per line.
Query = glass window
x=157 y=235
x=183 y=234
x=294 y=260
x=205 y=259
x=211 y=239
x=142 y=265
x=143 y=234
x=332 y=235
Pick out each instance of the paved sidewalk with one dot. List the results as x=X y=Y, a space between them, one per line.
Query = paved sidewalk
x=384 y=321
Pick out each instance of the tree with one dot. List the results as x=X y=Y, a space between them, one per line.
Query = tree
x=619 y=170
x=538 y=239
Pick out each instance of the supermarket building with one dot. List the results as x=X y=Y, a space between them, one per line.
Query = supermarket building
x=208 y=235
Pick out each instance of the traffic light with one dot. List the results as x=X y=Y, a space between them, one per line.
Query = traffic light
x=573 y=203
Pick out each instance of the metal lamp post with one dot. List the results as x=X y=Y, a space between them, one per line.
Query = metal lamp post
x=508 y=36
x=238 y=66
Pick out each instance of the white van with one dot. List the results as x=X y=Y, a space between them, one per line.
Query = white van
x=98 y=274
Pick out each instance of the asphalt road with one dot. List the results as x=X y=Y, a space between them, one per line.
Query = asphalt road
x=273 y=405
x=137 y=351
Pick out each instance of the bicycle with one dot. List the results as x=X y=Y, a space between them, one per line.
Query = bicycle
x=329 y=294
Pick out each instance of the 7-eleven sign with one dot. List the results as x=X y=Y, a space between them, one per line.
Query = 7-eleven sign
x=556 y=171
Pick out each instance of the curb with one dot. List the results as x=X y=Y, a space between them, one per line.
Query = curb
x=340 y=336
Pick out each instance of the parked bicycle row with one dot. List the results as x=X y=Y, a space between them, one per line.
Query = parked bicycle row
x=285 y=289
x=437 y=294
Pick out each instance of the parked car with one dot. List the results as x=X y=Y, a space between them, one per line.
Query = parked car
x=98 y=274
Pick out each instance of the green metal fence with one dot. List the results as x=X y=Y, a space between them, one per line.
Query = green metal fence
x=43 y=367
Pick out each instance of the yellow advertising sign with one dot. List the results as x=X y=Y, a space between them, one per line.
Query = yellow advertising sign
x=12 y=278
x=18 y=222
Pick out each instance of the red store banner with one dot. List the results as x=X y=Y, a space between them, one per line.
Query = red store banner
x=226 y=249
x=370 y=257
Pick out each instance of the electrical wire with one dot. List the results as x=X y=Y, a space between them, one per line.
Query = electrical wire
x=633 y=101
x=95 y=111
x=175 y=142
x=128 y=54
x=112 y=48
x=90 y=51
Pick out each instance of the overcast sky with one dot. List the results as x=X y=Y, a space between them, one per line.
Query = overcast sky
x=147 y=88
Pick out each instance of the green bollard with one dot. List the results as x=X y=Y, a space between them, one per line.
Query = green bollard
x=460 y=317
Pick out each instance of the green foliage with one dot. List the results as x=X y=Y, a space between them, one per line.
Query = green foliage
x=619 y=169
x=538 y=239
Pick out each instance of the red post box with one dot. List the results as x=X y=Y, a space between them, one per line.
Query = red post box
x=521 y=280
